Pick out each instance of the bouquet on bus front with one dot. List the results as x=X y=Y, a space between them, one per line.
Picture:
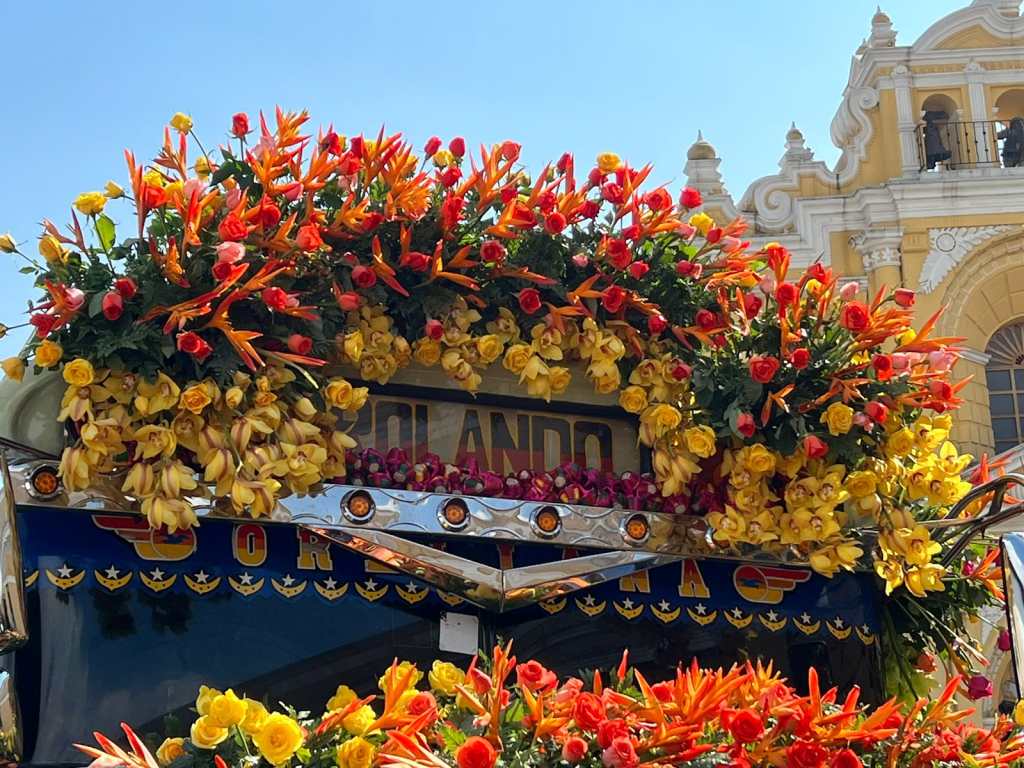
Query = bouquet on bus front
x=498 y=711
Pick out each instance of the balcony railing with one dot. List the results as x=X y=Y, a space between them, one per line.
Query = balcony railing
x=972 y=144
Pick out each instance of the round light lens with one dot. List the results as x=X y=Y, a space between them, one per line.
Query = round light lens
x=45 y=483
x=358 y=507
x=636 y=529
x=454 y=514
x=547 y=522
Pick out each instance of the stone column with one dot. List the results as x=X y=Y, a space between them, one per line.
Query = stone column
x=907 y=124
x=880 y=253
x=982 y=132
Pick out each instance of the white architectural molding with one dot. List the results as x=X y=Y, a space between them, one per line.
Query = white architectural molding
x=974 y=356
x=947 y=247
x=879 y=247
x=992 y=16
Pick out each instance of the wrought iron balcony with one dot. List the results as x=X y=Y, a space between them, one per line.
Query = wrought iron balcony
x=956 y=145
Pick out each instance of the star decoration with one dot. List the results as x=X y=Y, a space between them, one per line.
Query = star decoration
x=839 y=623
x=288 y=580
x=805 y=618
x=589 y=601
x=245 y=578
x=701 y=609
x=627 y=604
x=202 y=576
x=865 y=629
x=773 y=616
x=736 y=612
x=112 y=572
x=371 y=584
x=330 y=583
x=663 y=605
x=64 y=572
x=412 y=587
x=156 y=574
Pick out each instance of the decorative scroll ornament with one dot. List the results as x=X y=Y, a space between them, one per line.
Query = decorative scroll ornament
x=948 y=246
x=878 y=249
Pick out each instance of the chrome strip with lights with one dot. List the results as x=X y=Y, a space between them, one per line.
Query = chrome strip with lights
x=1012 y=545
x=13 y=619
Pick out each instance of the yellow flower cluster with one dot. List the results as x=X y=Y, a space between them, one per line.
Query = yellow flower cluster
x=250 y=445
x=371 y=345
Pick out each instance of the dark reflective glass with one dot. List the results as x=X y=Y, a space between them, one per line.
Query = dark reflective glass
x=998 y=380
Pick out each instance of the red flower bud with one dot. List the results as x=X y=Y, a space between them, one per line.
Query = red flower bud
x=555 y=223
x=681 y=371
x=613 y=193
x=510 y=150
x=763 y=368
x=656 y=323
x=349 y=301
x=854 y=316
x=193 y=344
x=714 y=235
x=690 y=198
x=752 y=304
x=364 y=277
x=299 y=344
x=232 y=228
x=745 y=424
x=818 y=272
x=658 y=199
x=815 y=447
x=434 y=329
x=706 y=319
x=239 y=125
x=529 y=300
x=638 y=269
x=126 y=287
x=112 y=305
x=613 y=297
x=877 y=412
x=904 y=297
x=457 y=146
x=433 y=144
x=308 y=238
x=590 y=209
x=492 y=252
x=799 y=358
x=450 y=176
x=883 y=367
x=785 y=294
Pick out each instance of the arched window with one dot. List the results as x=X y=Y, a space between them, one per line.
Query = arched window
x=1005 y=376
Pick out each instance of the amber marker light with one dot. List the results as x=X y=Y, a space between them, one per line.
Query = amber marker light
x=547 y=522
x=636 y=529
x=358 y=507
x=454 y=514
x=44 y=483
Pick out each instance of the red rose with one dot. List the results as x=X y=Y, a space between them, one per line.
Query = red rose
x=638 y=269
x=610 y=730
x=529 y=300
x=845 y=758
x=904 y=297
x=547 y=202
x=746 y=726
x=574 y=749
x=457 y=146
x=632 y=232
x=349 y=301
x=800 y=358
x=372 y=221
x=422 y=703
x=43 y=324
x=613 y=193
x=451 y=210
x=805 y=754
x=509 y=193
x=492 y=252
x=588 y=711
x=232 y=228
x=595 y=177
x=476 y=752
x=883 y=367
x=612 y=298
x=817 y=272
x=221 y=270
x=706 y=319
x=450 y=176
x=126 y=287
x=620 y=754
x=433 y=144
x=785 y=294
x=590 y=209
x=357 y=145
x=364 y=277
x=690 y=198
x=308 y=239
x=153 y=196
x=434 y=330
x=941 y=389
x=656 y=323
x=658 y=200
x=745 y=424
x=680 y=370
x=563 y=162
x=535 y=677
x=239 y=124
x=193 y=344
x=417 y=262
x=763 y=368
x=663 y=691
x=268 y=214
x=112 y=305
x=510 y=150
x=618 y=252
x=277 y=298
x=854 y=316
x=714 y=235
x=752 y=304
x=685 y=268
x=877 y=412
x=299 y=344
x=555 y=222
x=815 y=447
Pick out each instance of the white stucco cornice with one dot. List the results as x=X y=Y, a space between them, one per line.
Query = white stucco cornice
x=984 y=13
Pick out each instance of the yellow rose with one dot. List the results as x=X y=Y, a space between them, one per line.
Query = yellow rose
x=608 y=382
x=170 y=751
x=206 y=695
x=861 y=484
x=181 y=122
x=489 y=348
x=760 y=460
x=608 y=162
x=357 y=752
x=444 y=676
x=341 y=698
x=700 y=440
x=357 y=723
x=427 y=351
x=443 y=158
x=279 y=739
x=352 y=345
x=900 y=442
x=702 y=222
x=79 y=373
x=227 y=709
x=202 y=167
x=401 y=670
x=113 y=190
x=255 y=716
x=633 y=399
x=195 y=398
x=662 y=418
x=154 y=178
x=51 y=249
x=838 y=417
x=14 y=367
x=516 y=357
x=233 y=397
x=559 y=379
x=48 y=353
x=205 y=734
x=7 y=244
x=339 y=393
x=90 y=203
x=1018 y=713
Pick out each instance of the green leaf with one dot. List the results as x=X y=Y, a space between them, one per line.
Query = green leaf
x=106 y=230
x=96 y=304
x=452 y=737
x=222 y=173
x=27 y=270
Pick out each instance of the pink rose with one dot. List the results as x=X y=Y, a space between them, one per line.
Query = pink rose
x=230 y=252
x=848 y=291
x=234 y=197
x=620 y=754
x=574 y=749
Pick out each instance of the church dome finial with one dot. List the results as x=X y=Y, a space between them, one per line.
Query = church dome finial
x=701 y=149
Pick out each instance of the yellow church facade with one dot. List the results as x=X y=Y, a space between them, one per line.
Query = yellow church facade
x=928 y=194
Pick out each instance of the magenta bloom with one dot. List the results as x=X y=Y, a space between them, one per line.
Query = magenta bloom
x=979 y=687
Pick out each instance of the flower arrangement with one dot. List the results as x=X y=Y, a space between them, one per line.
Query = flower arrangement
x=501 y=711
x=212 y=349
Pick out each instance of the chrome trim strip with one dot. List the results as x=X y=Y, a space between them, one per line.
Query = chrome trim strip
x=13 y=618
x=1012 y=545
x=10 y=720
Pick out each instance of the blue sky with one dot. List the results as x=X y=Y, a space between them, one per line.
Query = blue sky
x=83 y=81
